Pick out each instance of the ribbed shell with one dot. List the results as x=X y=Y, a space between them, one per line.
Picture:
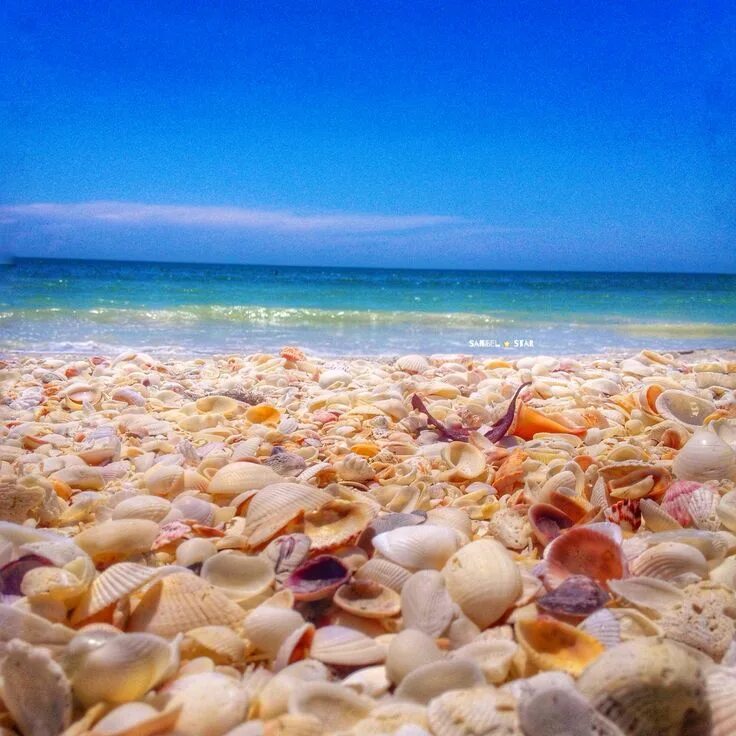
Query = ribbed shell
x=669 y=561
x=425 y=603
x=153 y=508
x=384 y=572
x=422 y=547
x=480 y=710
x=340 y=645
x=237 y=477
x=720 y=686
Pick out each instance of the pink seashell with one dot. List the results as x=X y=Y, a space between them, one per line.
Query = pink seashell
x=170 y=533
x=625 y=513
x=677 y=498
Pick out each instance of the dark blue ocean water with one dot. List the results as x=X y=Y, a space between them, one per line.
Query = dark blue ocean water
x=102 y=306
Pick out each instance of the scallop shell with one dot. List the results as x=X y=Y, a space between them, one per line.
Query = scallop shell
x=655 y=517
x=412 y=364
x=385 y=572
x=336 y=523
x=337 y=708
x=425 y=603
x=421 y=547
x=670 y=561
x=480 y=710
x=117 y=540
x=409 y=650
x=554 y=645
x=647 y=593
x=704 y=457
x=241 y=577
x=648 y=686
x=35 y=690
x=120 y=670
x=275 y=506
x=117 y=582
x=219 y=643
x=340 y=645
x=368 y=599
x=152 y=508
x=427 y=682
x=233 y=479
x=683 y=407
x=611 y=626
x=483 y=580
x=211 y=703
x=720 y=685
x=179 y=602
x=465 y=462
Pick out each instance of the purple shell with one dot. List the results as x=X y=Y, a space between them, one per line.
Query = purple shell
x=317 y=578
x=577 y=596
x=12 y=574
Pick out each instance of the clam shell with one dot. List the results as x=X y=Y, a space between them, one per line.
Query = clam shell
x=720 y=685
x=385 y=572
x=152 y=508
x=237 y=477
x=554 y=645
x=483 y=580
x=704 y=457
x=193 y=552
x=575 y=597
x=493 y=656
x=655 y=517
x=336 y=523
x=268 y=627
x=726 y=510
x=422 y=547
x=35 y=690
x=275 y=506
x=464 y=461
x=117 y=540
x=120 y=670
x=368 y=599
x=611 y=626
x=670 y=561
x=425 y=603
x=427 y=682
x=409 y=650
x=547 y=522
x=648 y=686
x=241 y=577
x=135 y=719
x=317 y=578
x=340 y=645
x=412 y=364
x=480 y=710
x=225 y=405
x=286 y=553
x=336 y=708
x=179 y=602
x=647 y=593
x=164 y=480
x=219 y=643
x=683 y=407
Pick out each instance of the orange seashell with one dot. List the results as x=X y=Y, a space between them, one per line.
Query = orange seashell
x=510 y=473
x=529 y=422
x=584 y=461
x=576 y=507
x=583 y=551
x=366 y=449
x=61 y=489
x=548 y=522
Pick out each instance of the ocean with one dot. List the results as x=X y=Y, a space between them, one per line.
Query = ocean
x=174 y=308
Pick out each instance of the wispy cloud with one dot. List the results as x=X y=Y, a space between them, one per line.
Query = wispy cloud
x=135 y=213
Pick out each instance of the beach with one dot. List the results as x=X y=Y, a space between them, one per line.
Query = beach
x=246 y=544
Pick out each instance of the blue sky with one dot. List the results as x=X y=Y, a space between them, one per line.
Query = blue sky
x=566 y=135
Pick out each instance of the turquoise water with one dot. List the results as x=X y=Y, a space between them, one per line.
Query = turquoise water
x=103 y=306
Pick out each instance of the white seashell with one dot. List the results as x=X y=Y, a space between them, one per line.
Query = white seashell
x=412 y=364
x=704 y=457
x=483 y=580
x=611 y=626
x=117 y=540
x=354 y=467
x=670 y=561
x=16 y=623
x=267 y=627
x=211 y=703
x=153 y=508
x=241 y=577
x=194 y=551
x=493 y=656
x=384 y=572
x=683 y=407
x=425 y=603
x=655 y=517
x=335 y=707
x=196 y=509
x=420 y=547
x=409 y=650
x=334 y=379
x=339 y=645
x=427 y=682
x=726 y=430
x=237 y=477
x=465 y=461
x=648 y=593
x=219 y=643
x=726 y=510
x=720 y=688
x=135 y=719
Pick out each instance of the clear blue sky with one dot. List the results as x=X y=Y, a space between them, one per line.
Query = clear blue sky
x=543 y=135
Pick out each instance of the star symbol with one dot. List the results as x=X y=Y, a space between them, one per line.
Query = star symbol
x=506 y=344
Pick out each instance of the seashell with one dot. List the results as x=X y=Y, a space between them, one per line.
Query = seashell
x=317 y=578
x=511 y=527
x=655 y=517
x=334 y=379
x=704 y=457
x=648 y=686
x=219 y=643
x=340 y=645
x=117 y=540
x=529 y=422
x=336 y=708
x=480 y=710
x=386 y=573
x=676 y=500
x=483 y=580
x=670 y=561
x=427 y=682
x=81 y=477
x=336 y=523
x=268 y=627
x=16 y=623
x=648 y=593
x=354 y=467
x=683 y=407
x=35 y=690
x=388 y=522
x=242 y=578
x=368 y=599
x=452 y=517
x=547 y=522
x=576 y=597
x=286 y=553
x=421 y=547
x=164 y=480
x=412 y=364
x=583 y=551
x=263 y=414
x=195 y=509
x=59 y=583
x=554 y=645
x=119 y=670
x=370 y=681
x=79 y=393
x=152 y=508
x=237 y=477
x=409 y=650
x=611 y=626
x=726 y=510
x=225 y=405
x=425 y=603
x=493 y=656
x=464 y=461
x=275 y=506
x=135 y=719
x=720 y=687
x=407 y=719
x=193 y=552
x=179 y=602
x=211 y=703
x=128 y=395
x=286 y=464
x=117 y=582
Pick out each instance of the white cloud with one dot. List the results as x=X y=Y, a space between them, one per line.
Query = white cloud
x=136 y=213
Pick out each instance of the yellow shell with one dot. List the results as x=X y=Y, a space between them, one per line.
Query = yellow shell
x=263 y=414
x=464 y=461
x=224 y=405
x=553 y=645
x=336 y=523
x=233 y=479
x=117 y=540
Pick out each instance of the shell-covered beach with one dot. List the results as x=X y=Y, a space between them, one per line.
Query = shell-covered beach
x=280 y=544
